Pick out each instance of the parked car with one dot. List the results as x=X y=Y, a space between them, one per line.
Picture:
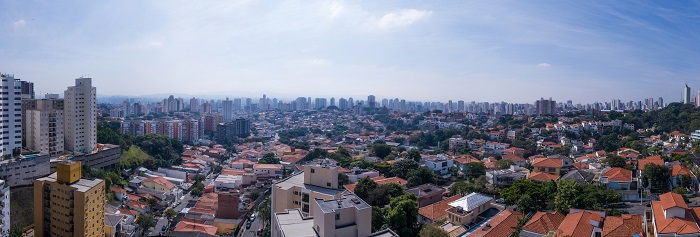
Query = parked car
x=247 y=225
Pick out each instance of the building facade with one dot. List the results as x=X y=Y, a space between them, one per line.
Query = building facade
x=43 y=125
x=67 y=205
x=80 y=115
x=11 y=112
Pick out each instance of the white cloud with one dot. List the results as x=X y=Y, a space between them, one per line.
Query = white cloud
x=151 y=44
x=402 y=18
x=544 y=65
x=19 y=23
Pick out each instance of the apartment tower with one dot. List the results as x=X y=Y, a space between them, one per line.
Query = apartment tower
x=67 y=205
x=43 y=124
x=80 y=116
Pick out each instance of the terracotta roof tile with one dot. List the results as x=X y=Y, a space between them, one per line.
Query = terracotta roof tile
x=649 y=160
x=185 y=226
x=680 y=170
x=675 y=225
x=379 y=180
x=438 y=210
x=543 y=222
x=670 y=199
x=543 y=177
x=576 y=225
x=548 y=162
x=502 y=225
x=623 y=226
x=618 y=175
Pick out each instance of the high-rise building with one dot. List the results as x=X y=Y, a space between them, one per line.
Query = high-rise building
x=27 y=89
x=460 y=105
x=686 y=94
x=43 y=125
x=194 y=105
x=11 y=113
x=65 y=204
x=80 y=116
x=227 y=108
x=543 y=106
x=371 y=102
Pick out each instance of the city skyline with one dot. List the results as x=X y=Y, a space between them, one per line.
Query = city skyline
x=427 y=51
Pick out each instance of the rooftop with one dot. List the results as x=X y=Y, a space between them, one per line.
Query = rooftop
x=471 y=201
x=82 y=185
x=425 y=190
x=297 y=180
x=293 y=223
x=347 y=201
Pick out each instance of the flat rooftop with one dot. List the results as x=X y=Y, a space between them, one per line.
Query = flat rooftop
x=347 y=201
x=292 y=223
x=297 y=180
x=82 y=185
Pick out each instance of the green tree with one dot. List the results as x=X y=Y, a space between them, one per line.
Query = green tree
x=269 y=158
x=343 y=180
x=403 y=215
x=616 y=161
x=170 y=213
x=378 y=218
x=264 y=212
x=134 y=157
x=401 y=168
x=459 y=187
x=381 y=196
x=432 y=231
x=413 y=154
x=526 y=204
x=145 y=222
x=422 y=175
x=475 y=169
x=656 y=177
x=567 y=191
x=381 y=150
x=504 y=164
x=364 y=188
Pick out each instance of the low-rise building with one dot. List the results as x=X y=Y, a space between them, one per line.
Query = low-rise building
x=621 y=181
x=437 y=211
x=506 y=177
x=464 y=211
x=542 y=224
x=24 y=170
x=671 y=216
x=426 y=194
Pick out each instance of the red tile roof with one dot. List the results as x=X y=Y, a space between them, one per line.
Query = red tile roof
x=466 y=159
x=502 y=225
x=680 y=170
x=577 y=224
x=618 y=175
x=379 y=180
x=438 y=210
x=650 y=160
x=543 y=222
x=514 y=157
x=548 y=162
x=675 y=225
x=160 y=180
x=623 y=226
x=543 y=177
x=580 y=165
x=670 y=199
x=185 y=226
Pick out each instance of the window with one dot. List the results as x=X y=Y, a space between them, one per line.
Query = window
x=328 y=184
x=337 y=216
x=313 y=171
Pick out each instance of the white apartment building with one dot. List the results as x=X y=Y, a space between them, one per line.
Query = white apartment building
x=80 y=116
x=44 y=126
x=11 y=113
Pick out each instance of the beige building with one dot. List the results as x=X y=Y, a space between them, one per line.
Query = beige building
x=67 y=205
x=346 y=216
x=44 y=125
x=80 y=123
x=464 y=211
x=318 y=181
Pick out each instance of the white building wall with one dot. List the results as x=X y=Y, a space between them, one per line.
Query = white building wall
x=80 y=116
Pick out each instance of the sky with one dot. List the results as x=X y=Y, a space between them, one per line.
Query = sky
x=514 y=51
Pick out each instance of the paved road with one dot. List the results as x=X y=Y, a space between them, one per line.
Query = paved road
x=253 y=228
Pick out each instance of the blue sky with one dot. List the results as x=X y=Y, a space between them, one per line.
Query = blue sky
x=516 y=51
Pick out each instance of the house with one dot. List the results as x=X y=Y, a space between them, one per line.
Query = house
x=440 y=165
x=267 y=171
x=678 y=171
x=356 y=174
x=506 y=177
x=548 y=165
x=159 y=184
x=464 y=211
x=542 y=177
x=621 y=181
x=541 y=224
x=119 y=193
x=581 y=223
x=624 y=225
x=426 y=194
x=437 y=211
x=670 y=216
x=580 y=176
x=517 y=159
x=193 y=229
x=462 y=162
x=502 y=225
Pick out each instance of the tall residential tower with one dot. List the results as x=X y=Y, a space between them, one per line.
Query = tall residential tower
x=80 y=116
